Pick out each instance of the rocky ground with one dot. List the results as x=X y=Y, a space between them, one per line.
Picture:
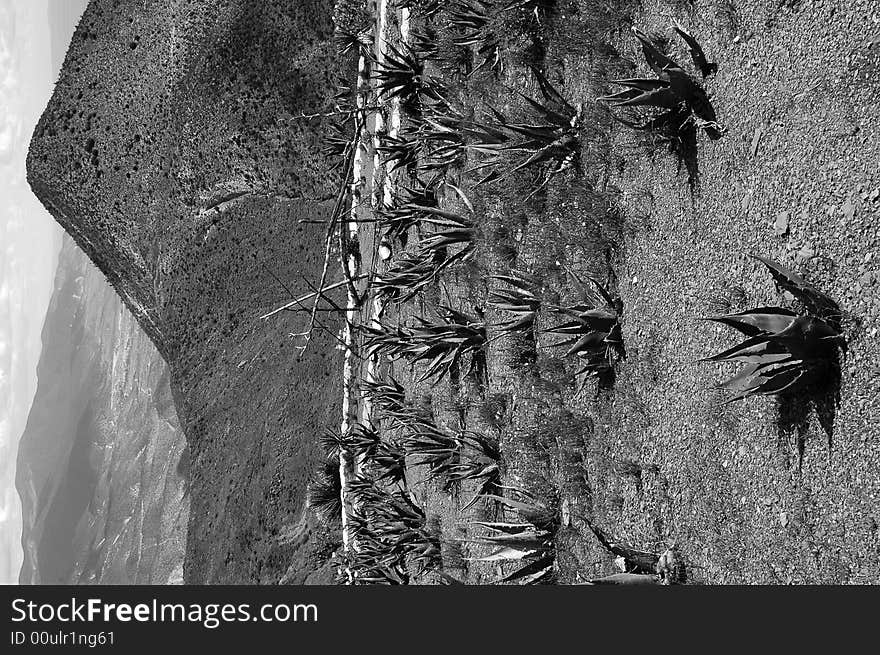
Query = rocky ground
x=750 y=492
x=796 y=178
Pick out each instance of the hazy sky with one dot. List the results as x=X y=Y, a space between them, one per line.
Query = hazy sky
x=34 y=35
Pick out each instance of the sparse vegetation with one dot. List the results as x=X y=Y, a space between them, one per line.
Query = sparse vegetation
x=505 y=199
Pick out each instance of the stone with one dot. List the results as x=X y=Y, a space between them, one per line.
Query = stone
x=780 y=226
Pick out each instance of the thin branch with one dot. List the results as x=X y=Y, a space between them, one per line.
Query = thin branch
x=298 y=301
x=318 y=323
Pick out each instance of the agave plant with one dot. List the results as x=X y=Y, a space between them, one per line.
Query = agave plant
x=388 y=460
x=460 y=232
x=402 y=75
x=433 y=447
x=389 y=531
x=521 y=300
x=399 y=152
x=337 y=141
x=552 y=143
x=403 y=213
x=387 y=396
x=682 y=101
x=592 y=332
x=444 y=144
x=528 y=541
x=424 y=43
x=482 y=465
x=472 y=20
x=414 y=207
x=357 y=42
x=409 y=274
x=784 y=352
x=323 y=493
x=359 y=440
x=385 y=456
x=441 y=344
x=454 y=457
x=413 y=271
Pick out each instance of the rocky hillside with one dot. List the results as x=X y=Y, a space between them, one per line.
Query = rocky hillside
x=171 y=151
x=102 y=464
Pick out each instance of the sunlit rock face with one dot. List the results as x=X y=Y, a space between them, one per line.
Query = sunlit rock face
x=174 y=152
x=102 y=464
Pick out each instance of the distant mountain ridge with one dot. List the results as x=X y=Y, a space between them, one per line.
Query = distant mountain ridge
x=102 y=461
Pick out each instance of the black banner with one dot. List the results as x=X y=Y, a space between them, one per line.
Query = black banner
x=128 y=618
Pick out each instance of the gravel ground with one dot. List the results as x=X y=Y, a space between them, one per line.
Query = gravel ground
x=729 y=491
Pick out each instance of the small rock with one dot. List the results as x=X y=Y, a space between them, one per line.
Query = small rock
x=756 y=141
x=806 y=253
x=867 y=279
x=780 y=227
x=848 y=209
x=783 y=519
x=846 y=128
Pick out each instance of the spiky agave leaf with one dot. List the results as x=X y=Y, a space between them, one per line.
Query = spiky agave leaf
x=440 y=240
x=536 y=572
x=323 y=493
x=399 y=152
x=542 y=516
x=441 y=344
x=757 y=321
x=683 y=101
x=333 y=444
x=531 y=542
x=408 y=275
x=593 y=336
x=386 y=395
x=816 y=302
x=482 y=464
x=472 y=21
x=407 y=210
x=554 y=140
x=521 y=300
x=348 y=42
x=434 y=448
x=388 y=460
x=424 y=43
x=337 y=141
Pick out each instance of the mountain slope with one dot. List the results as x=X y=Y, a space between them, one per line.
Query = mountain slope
x=171 y=151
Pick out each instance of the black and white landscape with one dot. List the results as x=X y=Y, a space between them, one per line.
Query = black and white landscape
x=480 y=291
